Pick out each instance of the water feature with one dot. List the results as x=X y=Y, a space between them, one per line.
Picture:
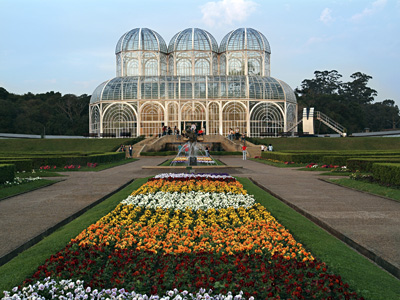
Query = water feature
x=193 y=153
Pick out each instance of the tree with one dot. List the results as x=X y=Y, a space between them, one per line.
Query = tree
x=357 y=90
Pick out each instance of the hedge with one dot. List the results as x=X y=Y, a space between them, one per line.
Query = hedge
x=387 y=172
x=7 y=172
x=365 y=164
x=20 y=164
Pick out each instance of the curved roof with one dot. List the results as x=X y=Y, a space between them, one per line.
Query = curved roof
x=244 y=39
x=181 y=87
x=193 y=39
x=141 y=39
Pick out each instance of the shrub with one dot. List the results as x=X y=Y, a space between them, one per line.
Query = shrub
x=388 y=173
x=365 y=164
x=7 y=172
x=20 y=164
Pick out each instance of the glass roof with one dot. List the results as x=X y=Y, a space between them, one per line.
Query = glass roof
x=141 y=39
x=193 y=87
x=193 y=39
x=244 y=39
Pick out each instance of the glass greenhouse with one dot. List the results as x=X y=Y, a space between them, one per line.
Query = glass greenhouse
x=192 y=81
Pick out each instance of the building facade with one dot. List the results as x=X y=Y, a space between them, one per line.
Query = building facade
x=193 y=80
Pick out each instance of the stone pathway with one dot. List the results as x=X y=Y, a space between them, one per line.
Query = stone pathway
x=370 y=222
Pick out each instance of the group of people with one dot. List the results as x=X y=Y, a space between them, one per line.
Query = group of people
x=267 y=148
x=167 y=130
x=124 y=148
x=236 y=135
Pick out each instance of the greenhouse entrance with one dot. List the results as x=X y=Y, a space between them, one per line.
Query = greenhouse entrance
x=199 y=124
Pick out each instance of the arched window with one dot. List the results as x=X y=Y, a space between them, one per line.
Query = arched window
x=254 y=66
x=236 y=67
x=151 y=119
x=202 y=67
x=234 y=116
x=132 y=67
x=184 y=67
x=151 y=68
x=119 y=120
x=266 y=119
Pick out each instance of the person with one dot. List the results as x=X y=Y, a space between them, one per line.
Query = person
x=175 y=130
x=244 y=150
x=200 y=133
x=237 y=133
x=169 y=130
x=230 y=136
x=130 y=151
x=262 y=148
x=270 y=148
x=179 y=148
x=243 y=137
x=207 y=152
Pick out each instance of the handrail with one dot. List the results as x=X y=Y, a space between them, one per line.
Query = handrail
x=330 y=123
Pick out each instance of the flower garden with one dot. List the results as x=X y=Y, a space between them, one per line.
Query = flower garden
x=185 y=236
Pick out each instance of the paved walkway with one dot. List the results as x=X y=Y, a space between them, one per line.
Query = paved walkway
x=370 y=222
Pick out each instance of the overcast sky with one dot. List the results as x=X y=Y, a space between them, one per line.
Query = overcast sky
x=68 y=46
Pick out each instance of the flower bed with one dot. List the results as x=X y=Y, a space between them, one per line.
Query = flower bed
x=169 y=234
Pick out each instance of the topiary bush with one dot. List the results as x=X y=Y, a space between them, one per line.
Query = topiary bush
x=7 y=172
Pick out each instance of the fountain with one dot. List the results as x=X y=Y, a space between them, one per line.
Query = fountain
x=192 y=152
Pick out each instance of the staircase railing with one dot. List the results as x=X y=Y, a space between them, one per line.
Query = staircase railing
x=330 y=123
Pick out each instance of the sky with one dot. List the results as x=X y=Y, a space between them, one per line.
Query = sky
x=68 y=46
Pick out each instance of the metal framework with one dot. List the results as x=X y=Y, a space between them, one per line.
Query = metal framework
x=192 y=81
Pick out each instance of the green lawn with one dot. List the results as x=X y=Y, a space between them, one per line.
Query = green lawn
x=367 y=279
x=373 y=188
x=24 y=187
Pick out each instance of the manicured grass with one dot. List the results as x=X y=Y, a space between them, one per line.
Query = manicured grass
x=369 y=280
x=373 y=188
x=24 y=187
x=26 y=263
x=62 y=145
x=348 y=143
x=276 y=163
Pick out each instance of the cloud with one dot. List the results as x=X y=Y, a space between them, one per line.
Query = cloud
x=369 y=10
x=227 y=11
x=325 y=16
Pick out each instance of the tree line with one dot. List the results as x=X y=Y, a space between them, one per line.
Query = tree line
x=49 y=113
x=352 y=104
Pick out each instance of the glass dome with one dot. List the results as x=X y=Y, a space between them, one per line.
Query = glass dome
x=193 y=39
x=244 y=39
x=143 y=39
